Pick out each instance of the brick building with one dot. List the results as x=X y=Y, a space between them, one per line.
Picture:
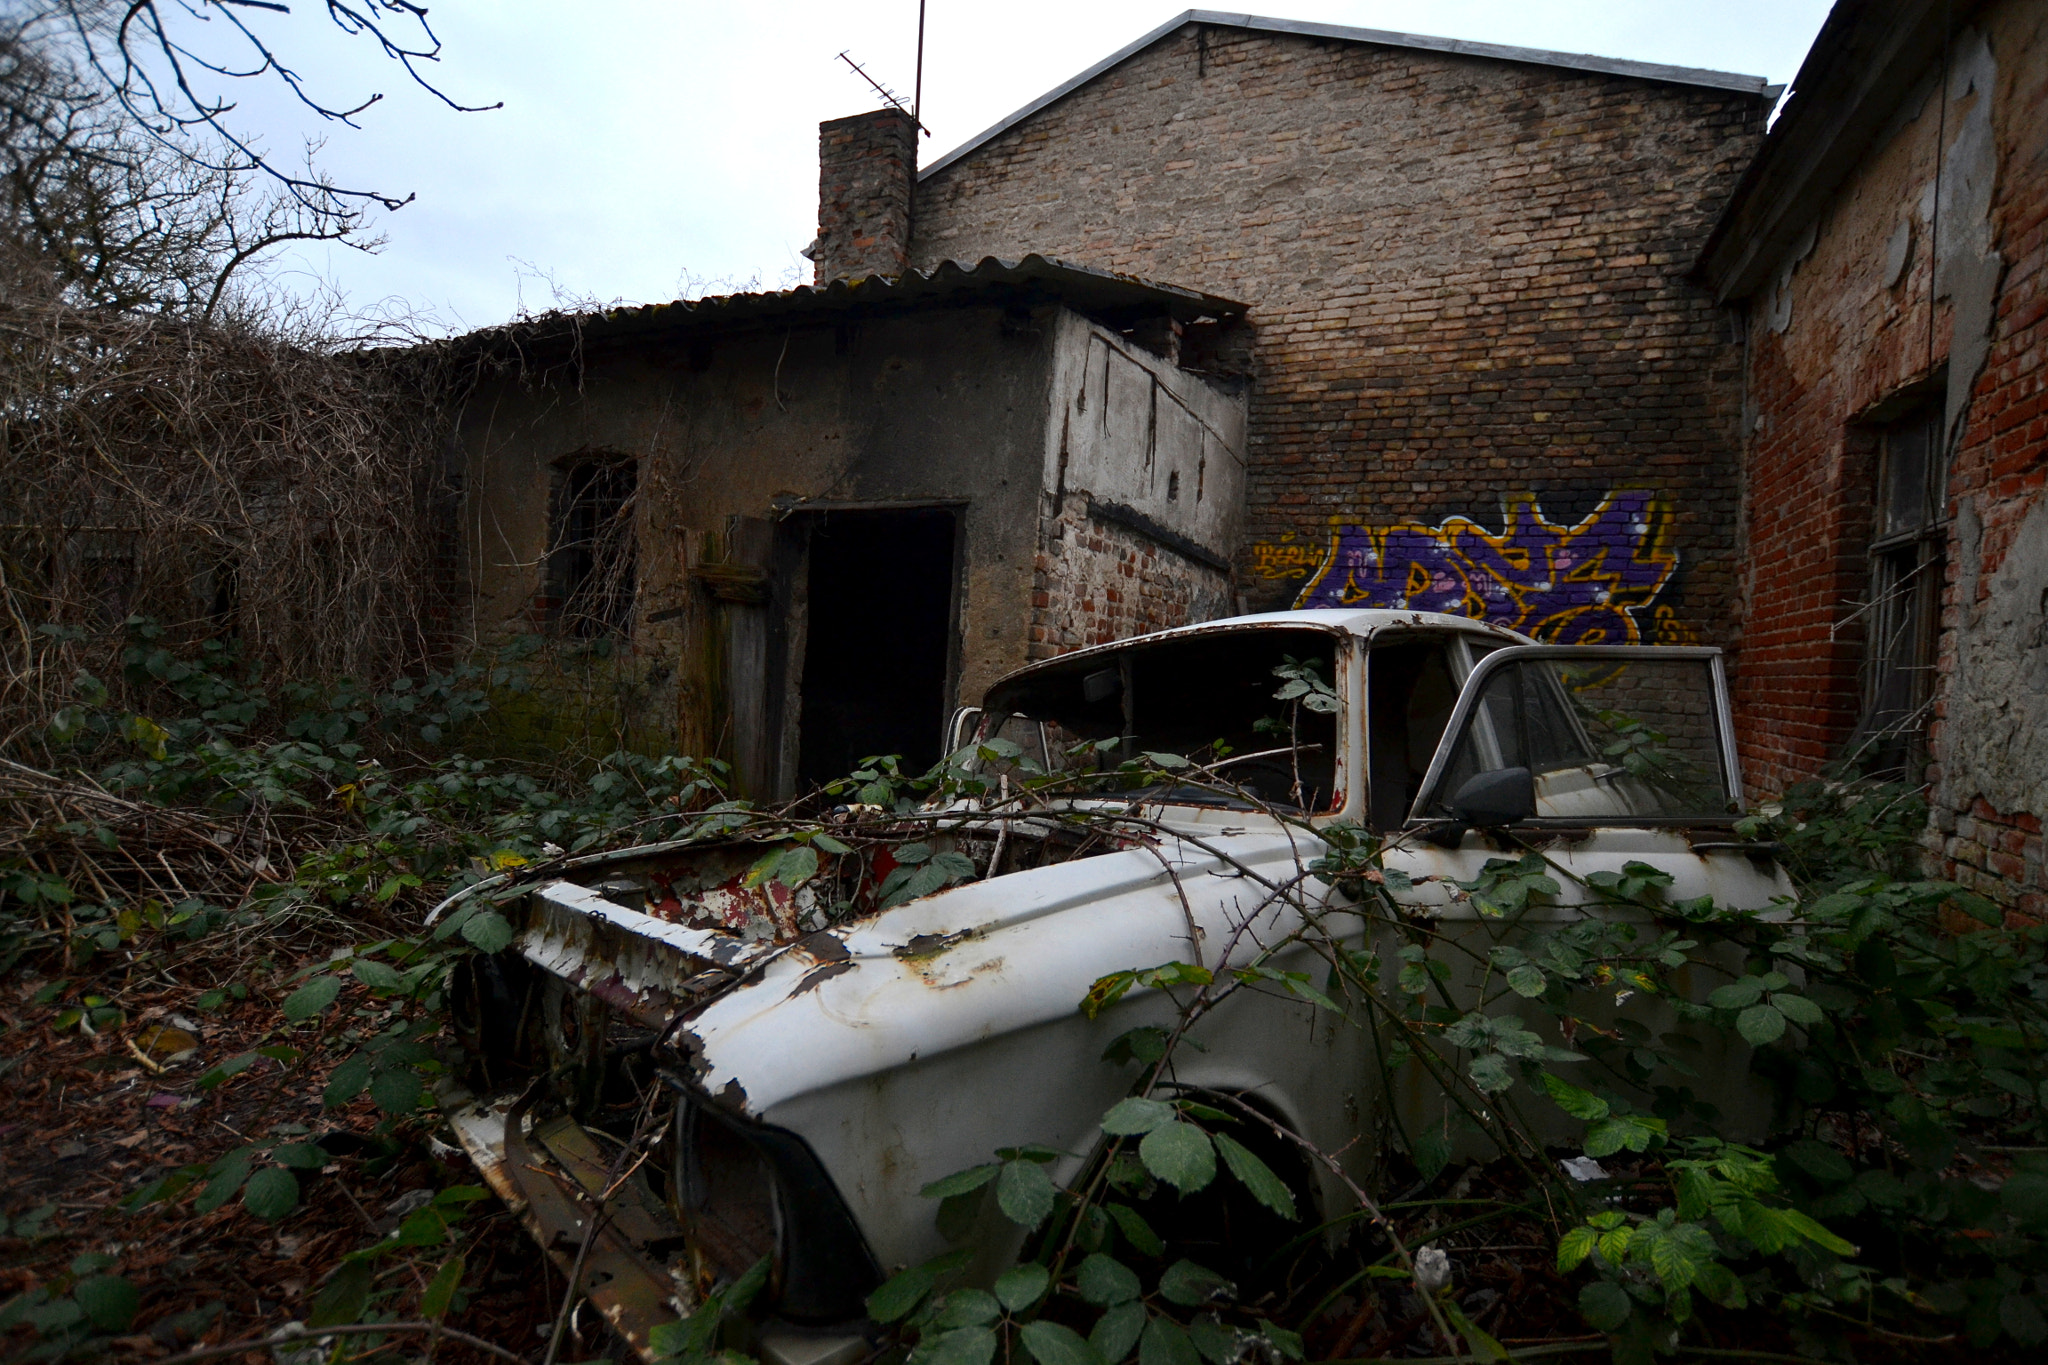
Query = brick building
x=1886 y=252
x=1481 y=380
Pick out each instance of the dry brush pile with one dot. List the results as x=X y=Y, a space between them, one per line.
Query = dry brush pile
x=217 y=477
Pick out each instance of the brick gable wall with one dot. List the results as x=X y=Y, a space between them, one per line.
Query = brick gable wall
x=1465 y=283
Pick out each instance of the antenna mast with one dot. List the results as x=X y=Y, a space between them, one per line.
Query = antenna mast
x=917 y=95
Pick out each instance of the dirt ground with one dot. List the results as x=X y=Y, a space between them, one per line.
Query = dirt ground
x=87 y=1118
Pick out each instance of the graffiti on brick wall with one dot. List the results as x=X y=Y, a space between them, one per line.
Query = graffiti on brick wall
x=1594 y=582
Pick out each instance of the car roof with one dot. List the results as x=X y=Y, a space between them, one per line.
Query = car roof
x=1365 y=623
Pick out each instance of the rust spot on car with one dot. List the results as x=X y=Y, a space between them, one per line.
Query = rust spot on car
x=822 y=947
x=817 y=976
x=926 y=946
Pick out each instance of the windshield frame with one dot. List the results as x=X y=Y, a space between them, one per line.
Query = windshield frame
x=1475 y=686
x=1347 y=662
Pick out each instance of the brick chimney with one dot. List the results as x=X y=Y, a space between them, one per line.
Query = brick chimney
x=867 y=166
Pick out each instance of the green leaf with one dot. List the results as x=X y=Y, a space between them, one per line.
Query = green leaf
x=1580 y=1104
x=346 y=1081
x=797 y=866
x=109 y=1302
x=1256 y=1176
x=1021 y=1286
x=1106 y=1281
x=2025 y=1197
x=1192 y=1285
x=1797 y=1008
x=397 y=1089
x=344 y=1297
x=1137 y=1115
x=911 y=854
x=1821 y=1161
x=440 y=1291
x=1116 y=1331
x=830 y=845
x=1218 y=1344
x=378 y=976
x=1737 y=994
x=1605 y=1305
x=960 y=1182
x=226 y=1177
x=1052 y=1344
x=1024 y=1192
x=488 y=932
x=311 y=998
x=1165 y=1342
x=1491 y=1072
x=906 y=1290
x=968 y=1308
x=1180 y=1154
x=958 y=867
x=1634 y=1131
x=962 y=1346
x=1137 y=1231
x=2021 y=1318
x=1527 y=981
x=271 y=1193
x=1574 y=1247
x=304 y=1156
x=1760 y=1024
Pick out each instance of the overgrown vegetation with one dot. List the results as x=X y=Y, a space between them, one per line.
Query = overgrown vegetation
x=1898 y=1202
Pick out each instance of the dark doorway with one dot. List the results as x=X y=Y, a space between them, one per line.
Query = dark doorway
x=878 y=642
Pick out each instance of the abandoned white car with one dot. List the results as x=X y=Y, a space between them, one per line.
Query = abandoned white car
x=817 y=1048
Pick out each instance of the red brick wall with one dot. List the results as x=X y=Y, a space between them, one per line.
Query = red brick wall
x=1465 y=278
x=1096 y=581
x=1833 y=347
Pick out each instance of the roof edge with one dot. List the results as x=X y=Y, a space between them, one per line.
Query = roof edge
x=1866 y=58
x=1610 y=66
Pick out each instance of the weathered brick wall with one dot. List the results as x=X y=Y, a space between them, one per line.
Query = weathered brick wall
x=1848 y=331
x=1465 y=282
x=1096 y=580
x=864 y=195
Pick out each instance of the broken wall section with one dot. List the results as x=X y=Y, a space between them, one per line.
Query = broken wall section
x=1144 y=492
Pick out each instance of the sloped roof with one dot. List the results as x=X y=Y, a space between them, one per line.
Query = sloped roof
x=1609 y=66
x=1086 y=288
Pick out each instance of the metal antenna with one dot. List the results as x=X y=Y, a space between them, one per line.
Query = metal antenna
x=917 y=95
x=884 y=91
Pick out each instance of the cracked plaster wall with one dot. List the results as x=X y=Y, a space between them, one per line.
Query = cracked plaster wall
x=1905 y=288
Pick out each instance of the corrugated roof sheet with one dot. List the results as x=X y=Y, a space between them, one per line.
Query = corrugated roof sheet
x=1576 y=61
x=1085 y=288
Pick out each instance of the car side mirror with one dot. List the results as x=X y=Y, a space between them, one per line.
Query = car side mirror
x=1504 y=796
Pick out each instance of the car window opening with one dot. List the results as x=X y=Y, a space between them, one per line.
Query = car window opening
x=1413 y=688
x=1212 y=699
x=1601 y=740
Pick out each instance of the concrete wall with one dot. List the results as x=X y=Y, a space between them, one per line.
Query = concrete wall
x=1872 y=305
x=944 y=406
x=739 y=434
x=1474 y=347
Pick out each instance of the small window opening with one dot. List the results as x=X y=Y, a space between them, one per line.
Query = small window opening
x=1173 y=486
x=1908 y=554
x=590 y=552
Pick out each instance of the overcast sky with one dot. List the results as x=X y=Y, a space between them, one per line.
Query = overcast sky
x=654 y=148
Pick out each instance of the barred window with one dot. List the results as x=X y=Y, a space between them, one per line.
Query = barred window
x=1907 y=559
x=590 y=566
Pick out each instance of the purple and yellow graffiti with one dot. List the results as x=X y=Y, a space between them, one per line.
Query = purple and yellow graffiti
x=1581 y=584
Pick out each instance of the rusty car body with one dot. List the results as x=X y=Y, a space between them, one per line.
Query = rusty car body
x=814 y=1064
